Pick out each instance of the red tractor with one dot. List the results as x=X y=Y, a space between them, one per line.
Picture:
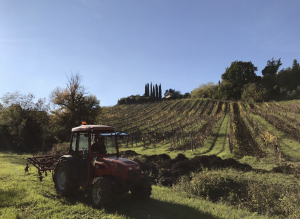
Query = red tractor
x=93 y=163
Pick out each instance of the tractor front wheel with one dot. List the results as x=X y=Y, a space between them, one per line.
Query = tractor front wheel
x=102 y=193
x=63 y=178
x=142 y=190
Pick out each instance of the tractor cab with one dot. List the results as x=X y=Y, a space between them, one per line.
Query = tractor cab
x=94 y=152
x=97 y=140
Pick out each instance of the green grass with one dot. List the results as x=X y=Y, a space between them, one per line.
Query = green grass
x=24 y=196
x=217 y=143
x=289 y=147
x=289 y=101
x=269 y=193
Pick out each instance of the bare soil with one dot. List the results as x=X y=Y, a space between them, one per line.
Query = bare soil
x=162 y=169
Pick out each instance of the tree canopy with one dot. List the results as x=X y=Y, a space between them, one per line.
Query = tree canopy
x=239 y=74
x=73 y=105
x=204 y=90
x=271 y=67
x=23 y=122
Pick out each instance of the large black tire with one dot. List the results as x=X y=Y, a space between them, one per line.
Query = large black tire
x=63 y=178
x=142 y=190
x=101 y=193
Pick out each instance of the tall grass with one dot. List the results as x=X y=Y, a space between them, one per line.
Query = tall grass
x=275 y=195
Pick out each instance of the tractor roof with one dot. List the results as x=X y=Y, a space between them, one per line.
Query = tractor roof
x=85 y=128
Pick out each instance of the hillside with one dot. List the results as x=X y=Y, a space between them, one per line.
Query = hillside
x=268 y=131
x=240 y=154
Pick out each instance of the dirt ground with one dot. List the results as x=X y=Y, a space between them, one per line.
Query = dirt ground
x=166 y=171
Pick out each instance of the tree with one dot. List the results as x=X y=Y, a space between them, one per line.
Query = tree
x=295 y=66
x=151 y=92
x=295 y=74
x=147 y=90
x=254 y=92
x=287 y=79
x=238 y=74
x=187 y=95
x=156 y=91
x=160 y=92
x=73 y=105
x=23 y=122
x=203 y=91
x=272 y=67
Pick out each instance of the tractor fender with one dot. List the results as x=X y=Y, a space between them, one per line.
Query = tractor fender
x=102 y=168
x=74 y=165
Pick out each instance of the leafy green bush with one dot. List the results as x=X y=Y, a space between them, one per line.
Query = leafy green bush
x=256 y=195
x=254 y=92
x=60 y=148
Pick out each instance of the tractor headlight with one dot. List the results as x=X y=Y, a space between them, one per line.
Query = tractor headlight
x=130 y=168
x=137 y=167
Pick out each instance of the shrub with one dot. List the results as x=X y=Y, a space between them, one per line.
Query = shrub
x=256 y=195
x=60 y=148
x=254 y=92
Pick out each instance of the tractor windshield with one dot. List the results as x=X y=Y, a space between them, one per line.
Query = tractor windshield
x=110 y=144
x=104 y=143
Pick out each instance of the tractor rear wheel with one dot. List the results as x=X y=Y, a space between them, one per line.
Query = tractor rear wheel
x=63 y=178
x=102 y=193
x=142 y=190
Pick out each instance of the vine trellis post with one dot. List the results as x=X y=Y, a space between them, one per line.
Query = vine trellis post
x=191 y=141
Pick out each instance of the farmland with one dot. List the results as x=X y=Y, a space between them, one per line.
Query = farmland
x=263 y=136
x=206 y=159
x=267 y=131
x=24 y=196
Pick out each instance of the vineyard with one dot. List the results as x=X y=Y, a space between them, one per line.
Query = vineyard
x=205 y=127
x=238 y=153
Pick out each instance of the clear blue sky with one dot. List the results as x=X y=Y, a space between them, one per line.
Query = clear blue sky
x=119 y=46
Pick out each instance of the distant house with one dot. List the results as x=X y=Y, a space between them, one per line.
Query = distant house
x=132 y=97
x=170 y=95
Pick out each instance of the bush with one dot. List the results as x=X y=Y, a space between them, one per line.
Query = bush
x=60 y=148
x=256 y=195
x=253 y=92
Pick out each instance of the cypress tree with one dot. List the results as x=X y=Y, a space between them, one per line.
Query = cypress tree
x=160 y=91
x=151 y=93
x=156 y=91
x=147 y=90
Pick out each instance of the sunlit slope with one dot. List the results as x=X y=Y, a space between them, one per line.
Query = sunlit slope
x=224 y=128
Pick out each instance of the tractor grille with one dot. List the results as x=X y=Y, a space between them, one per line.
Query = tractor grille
x=134 y=173
x=120 y=169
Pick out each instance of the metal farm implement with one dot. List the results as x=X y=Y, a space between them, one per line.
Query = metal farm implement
x=44 y=163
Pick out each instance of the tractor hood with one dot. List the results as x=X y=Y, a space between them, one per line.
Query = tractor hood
x=119 y=160
x=122 y=167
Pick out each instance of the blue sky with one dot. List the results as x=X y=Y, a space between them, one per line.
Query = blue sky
x=119 y=46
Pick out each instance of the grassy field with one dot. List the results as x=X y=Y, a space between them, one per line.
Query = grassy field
x=24 y=196
x=167 y=127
